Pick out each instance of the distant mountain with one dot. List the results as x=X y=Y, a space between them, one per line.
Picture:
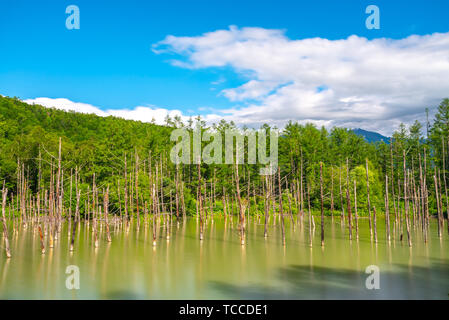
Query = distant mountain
x=371 y=136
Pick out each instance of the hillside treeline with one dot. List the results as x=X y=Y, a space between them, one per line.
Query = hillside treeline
x=117 y=153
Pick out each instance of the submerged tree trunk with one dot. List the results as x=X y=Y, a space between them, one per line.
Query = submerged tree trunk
x=126 y=197
x=310 y=216
x=438 y=206
x=200 y=201
x=447 y=199
x=392 y=185
x=342 y=217
x=355 y=212
x=348 y=199
x=75 y=221
x=41 y=238
x=375 y=224
x=106 y=213
x=332 y=193
x=5 y=228
x=387 y=210
x=302 y=191
x=154 y=213
x=322 y=204
x=281 y=212
x=368 y=199
x=267 y=208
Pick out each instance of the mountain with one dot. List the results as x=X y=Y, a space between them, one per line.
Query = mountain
x=371 y=136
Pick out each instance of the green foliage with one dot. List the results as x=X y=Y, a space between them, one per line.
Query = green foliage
x=98 y=145
x=376 y=186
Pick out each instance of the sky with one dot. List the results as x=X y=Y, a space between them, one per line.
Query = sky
x=251 y=62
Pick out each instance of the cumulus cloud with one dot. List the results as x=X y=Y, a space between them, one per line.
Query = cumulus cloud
x=139 y=113
x=354 y=82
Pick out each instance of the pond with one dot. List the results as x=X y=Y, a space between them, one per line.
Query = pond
x=219 y=267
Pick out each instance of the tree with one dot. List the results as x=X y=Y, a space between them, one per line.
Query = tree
x=440 y=128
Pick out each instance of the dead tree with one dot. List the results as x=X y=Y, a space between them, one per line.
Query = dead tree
x=5 y=228
x=348 y=200
x=322 y=204
x=241 y=213
x=368 y=199
x=106 y=214
x=267 y=207
x=387 y=210
x=281 y=211
x=355 y=211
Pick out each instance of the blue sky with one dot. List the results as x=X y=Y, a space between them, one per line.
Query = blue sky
x=109 y=63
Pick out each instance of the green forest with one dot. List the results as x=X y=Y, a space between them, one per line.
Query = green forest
x=124 y=156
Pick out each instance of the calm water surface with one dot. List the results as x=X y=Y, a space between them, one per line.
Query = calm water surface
x=220 y=268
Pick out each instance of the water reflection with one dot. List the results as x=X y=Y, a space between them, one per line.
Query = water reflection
x=219 y=267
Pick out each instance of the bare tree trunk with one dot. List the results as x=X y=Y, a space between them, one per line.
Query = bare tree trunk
x=332 y=193
x=355 y=212
x=126 y=196
x=154 y=214
x=5 y=228
x=137 y=188
x=423 y=202
x=368 y=199
x=392 y=183
x=94 y=213
x=273 y=197
x=302 y=192
x=290 y=207
x=342 y=216
x=70 y=194
x=58 y=182
x=445 y=184
x=438 y=205
x=182 y=200
x=163 y=209
x=387 y=210
x=406 y=204
x=119 y=199
x=281 y=212
x=237 y=184
x=41 y=237
x=426 y=192
x=310 y=216
x=225 y=213
x=248 y=195
x=440 y=189
x=375 y=225
x=200 y=201
x=177 y=192
x=322 y=204
x=415 y=206
x=39 y=222
x=106 y=213
x=407 y=210
x=348 y=200
x=267 y=208
x=51 y=212
x=447 y=199
x=75 y=222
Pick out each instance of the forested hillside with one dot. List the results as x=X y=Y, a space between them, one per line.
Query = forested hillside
x=98 y=146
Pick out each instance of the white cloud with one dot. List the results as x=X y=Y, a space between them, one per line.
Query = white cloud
x=67 y=105
x=354 y=82
x=139 y=113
